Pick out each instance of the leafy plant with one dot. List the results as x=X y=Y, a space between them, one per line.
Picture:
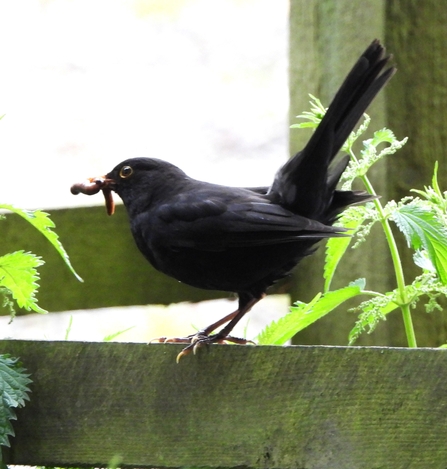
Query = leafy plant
x=18 y=274
x=18 y=283
x=14 y=392
x=421 y=219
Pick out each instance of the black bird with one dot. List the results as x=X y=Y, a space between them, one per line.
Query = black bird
x=243 y=240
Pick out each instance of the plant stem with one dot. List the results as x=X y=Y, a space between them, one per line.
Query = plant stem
x=402 y=298
x=408 y=323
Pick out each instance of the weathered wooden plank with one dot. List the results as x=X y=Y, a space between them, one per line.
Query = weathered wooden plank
x=254 y=407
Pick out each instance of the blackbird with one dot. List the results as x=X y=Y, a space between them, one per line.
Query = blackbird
x=237 y=239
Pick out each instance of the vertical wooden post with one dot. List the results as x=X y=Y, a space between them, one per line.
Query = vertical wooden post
x=326 y=38
x=416 y=32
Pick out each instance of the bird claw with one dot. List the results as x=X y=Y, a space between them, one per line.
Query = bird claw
x=198 y=340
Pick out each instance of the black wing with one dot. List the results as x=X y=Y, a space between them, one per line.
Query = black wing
x=213 y=224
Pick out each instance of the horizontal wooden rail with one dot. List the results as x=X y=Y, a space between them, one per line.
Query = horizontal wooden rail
x=232 y=406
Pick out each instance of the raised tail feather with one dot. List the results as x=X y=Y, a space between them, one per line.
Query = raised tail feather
x=305 y=184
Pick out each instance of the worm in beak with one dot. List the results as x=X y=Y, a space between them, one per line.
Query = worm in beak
x=92 y=186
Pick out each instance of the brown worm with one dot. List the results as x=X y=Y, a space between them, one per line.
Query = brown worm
x=92 y=186
x=110 y=204
x=89 y=187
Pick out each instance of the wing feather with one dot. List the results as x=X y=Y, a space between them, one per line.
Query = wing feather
x=237 y=224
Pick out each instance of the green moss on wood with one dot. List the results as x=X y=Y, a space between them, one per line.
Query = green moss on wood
x=231 y=406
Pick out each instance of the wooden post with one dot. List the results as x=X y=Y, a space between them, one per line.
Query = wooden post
x=326 y=38
x=417 y=107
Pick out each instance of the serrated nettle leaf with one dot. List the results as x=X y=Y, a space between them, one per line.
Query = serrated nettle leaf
x=42 y=222
x=360 y=283
x=336 y=247
x=421 y=259
x=353 y=219
x=6 y=430
x=423 y=230
x=14 y=381
x=279 y=332
x=369 y=154
x=13 y=391
x=19 y=275
x=383 y=135
x=303 y=314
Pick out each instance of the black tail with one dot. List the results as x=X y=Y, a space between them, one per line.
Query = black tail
x=305 y=184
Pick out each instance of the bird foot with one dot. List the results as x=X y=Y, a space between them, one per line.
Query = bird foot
x=200 y=339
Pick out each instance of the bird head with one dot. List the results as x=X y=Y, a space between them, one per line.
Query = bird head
x=135 y=180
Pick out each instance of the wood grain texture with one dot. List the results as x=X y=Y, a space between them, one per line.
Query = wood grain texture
x=326 y=38
x=416 y=33
x=232 y=406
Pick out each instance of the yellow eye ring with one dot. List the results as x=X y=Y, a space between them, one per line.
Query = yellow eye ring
x=125 y=172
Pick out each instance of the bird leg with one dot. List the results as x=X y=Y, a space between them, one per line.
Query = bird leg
x=203 y=337
x=204 y=332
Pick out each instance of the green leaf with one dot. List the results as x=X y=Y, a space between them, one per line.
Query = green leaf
x=19 y=275
x=313 y=117
x=358 y=220
x=335 y=249
x=68 y=330
x=279 y=332
x=370 y=155
x=382 y=136
x=434 y=180
x=14 y=392
x=436 y=198
x=303 y=314
x=362 y=128
x=42 y=222
x=110 y=337
x=14 y=381
x=6 y=430
x=421 y=259
x=423 y=230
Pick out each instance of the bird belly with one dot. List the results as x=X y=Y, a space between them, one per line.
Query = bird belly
x=235 y=270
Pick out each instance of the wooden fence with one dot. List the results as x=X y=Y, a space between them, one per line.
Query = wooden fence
x=297 y=407
x=229 y=406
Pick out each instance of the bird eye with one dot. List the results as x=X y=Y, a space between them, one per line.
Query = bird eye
x=125 y=172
